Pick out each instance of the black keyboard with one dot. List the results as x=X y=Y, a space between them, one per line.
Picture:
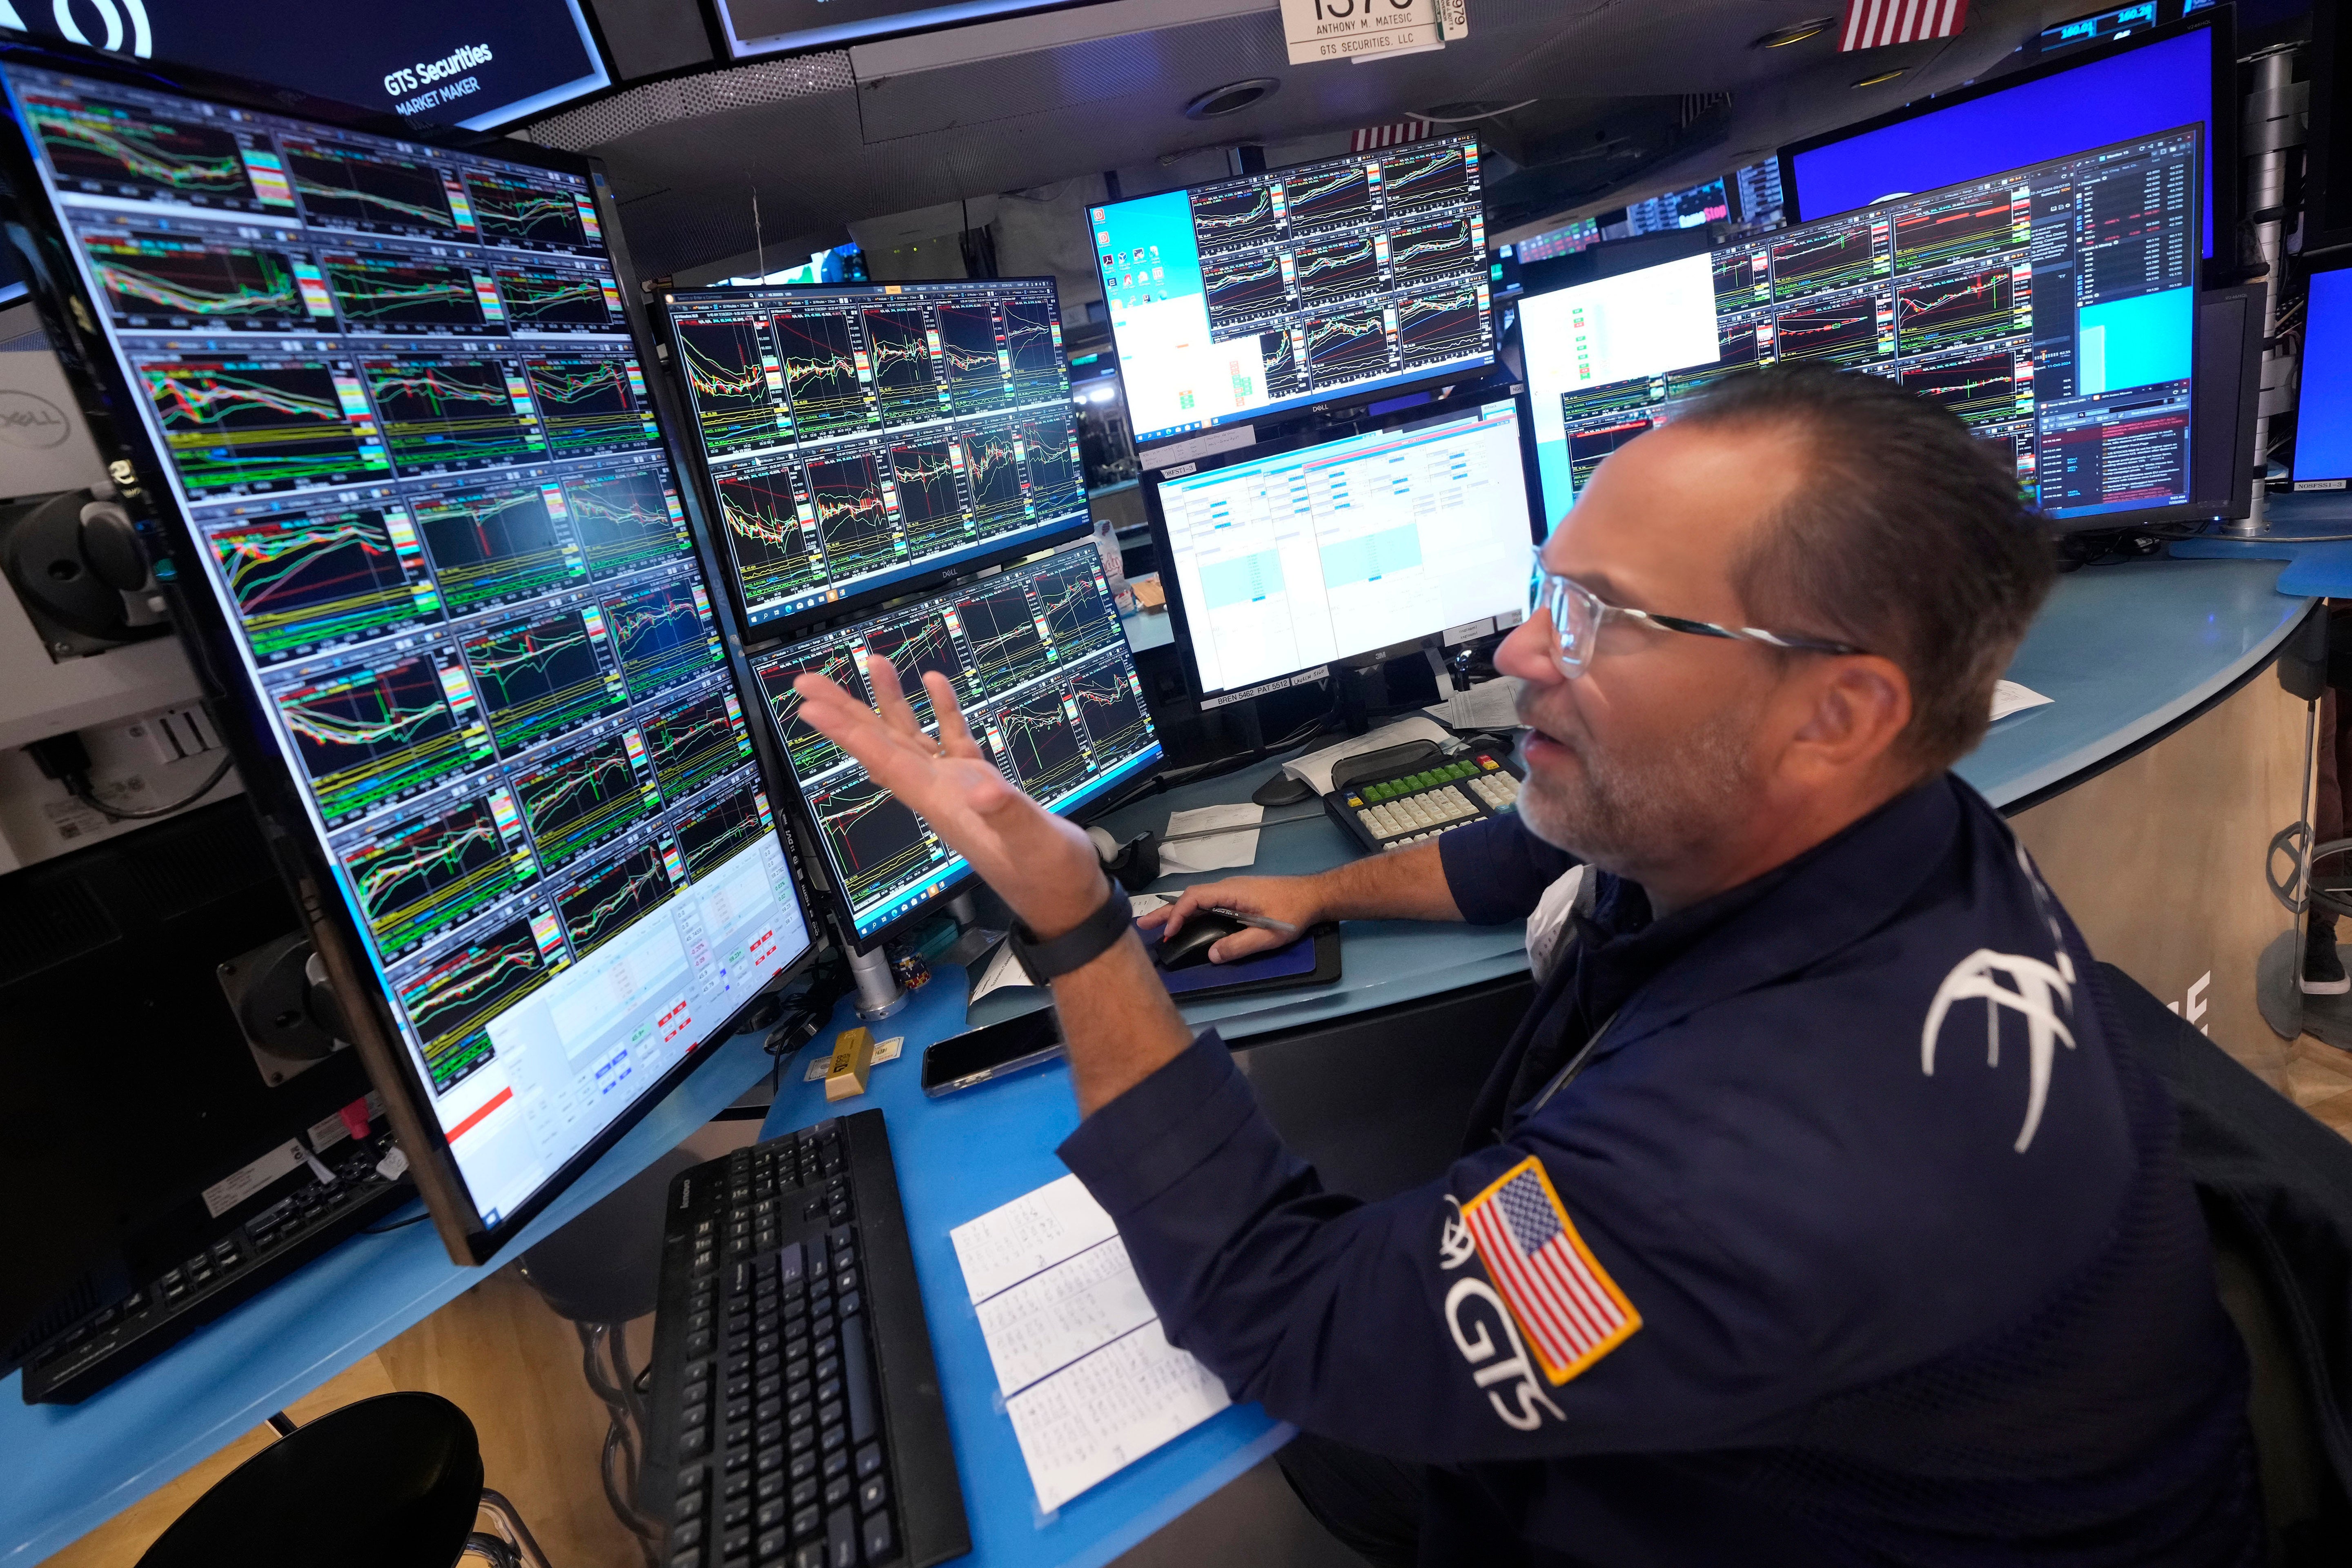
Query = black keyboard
x=1400 y=797
x=796 y=1413
x=255 y=1252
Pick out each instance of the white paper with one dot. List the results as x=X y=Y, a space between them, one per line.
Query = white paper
x=1034 y=1232
x=1094 y=1418
x=1144 y=904
x=1219 y=851
x=1314 y=767
x=1489 y=705
x=1091 y=1383
x=2008 y=697
x=1054 y=1317
x=1002 y=969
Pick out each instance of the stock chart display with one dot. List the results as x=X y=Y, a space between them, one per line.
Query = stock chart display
x=408 y=428
x=1042 y=676
x=1296 y=285
x=2052 y=307
x=860 y=435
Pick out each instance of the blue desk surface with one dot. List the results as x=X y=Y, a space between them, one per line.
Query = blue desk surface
x=2125 y=650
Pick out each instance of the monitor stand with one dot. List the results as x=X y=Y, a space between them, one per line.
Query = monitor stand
x=878 y=995
x=976 y=939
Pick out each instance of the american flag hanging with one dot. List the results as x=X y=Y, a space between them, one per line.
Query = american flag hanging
x=1874 y=24
x=1396 y=133
x=1570 y=1310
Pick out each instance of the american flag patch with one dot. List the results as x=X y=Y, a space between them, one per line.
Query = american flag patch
x=1875 y=23
x=1570 y=1309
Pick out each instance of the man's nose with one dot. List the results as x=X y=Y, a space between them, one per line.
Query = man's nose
x=1527 y=651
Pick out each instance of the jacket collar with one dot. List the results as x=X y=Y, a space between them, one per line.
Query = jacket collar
x=1823 y=901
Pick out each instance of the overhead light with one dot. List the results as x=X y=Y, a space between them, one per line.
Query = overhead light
x=1794 y=33
x=1231 y=98
x=1881 y=76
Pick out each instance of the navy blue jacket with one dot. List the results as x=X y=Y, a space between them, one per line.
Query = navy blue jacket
x=1881 y=1248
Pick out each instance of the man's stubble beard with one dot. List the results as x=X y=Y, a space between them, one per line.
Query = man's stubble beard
x=1623 y=815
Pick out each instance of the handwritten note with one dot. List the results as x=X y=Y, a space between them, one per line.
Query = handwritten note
x=1090 y=1381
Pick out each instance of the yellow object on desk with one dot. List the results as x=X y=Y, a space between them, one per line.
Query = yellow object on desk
x=853 y=1057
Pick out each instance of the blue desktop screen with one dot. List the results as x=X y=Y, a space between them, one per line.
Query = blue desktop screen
x=2323 y=425
x=2138 y=93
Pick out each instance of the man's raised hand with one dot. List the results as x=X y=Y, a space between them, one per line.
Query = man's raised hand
x=1043 y=865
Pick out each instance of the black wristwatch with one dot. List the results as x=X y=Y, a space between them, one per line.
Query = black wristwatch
x=1076 y=948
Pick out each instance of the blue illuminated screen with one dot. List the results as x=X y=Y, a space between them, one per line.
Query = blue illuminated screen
x=2323 y=425
x=2137 y=93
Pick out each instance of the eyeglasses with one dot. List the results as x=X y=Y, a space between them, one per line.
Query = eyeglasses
x=1577 y=615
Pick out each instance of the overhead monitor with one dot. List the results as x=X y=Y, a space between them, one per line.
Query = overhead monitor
x=2052 y=307
x=865 y=438
x=2322 y=415
x=1693 y=208
x=1282 y=562
x=1277 y=290
x=414 y=509
x=430 y=62
x=2149 y=83
x=1044 y=682
x=754 y=27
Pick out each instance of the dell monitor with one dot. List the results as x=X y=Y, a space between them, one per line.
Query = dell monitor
x=2175 y=75
x=389 y=440
x=1281 y=561
x=2052 y=307
x=2322 y=415
x=1043 y=680
x=868 y=439
x=1295 y=286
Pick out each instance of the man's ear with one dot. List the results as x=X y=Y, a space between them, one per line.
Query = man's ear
x=1858 y=704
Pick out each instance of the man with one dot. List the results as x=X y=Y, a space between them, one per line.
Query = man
x=1815 y=1214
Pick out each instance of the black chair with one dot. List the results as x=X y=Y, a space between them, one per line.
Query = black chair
x=390 y=1482
x=602 y=1271
x=2276 y=1189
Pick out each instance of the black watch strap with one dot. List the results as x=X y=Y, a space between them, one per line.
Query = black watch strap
x=1078 y=947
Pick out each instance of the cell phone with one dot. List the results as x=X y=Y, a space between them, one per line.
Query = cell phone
x=990 y=1051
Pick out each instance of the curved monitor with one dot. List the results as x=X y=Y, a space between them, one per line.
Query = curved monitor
x=383 y=413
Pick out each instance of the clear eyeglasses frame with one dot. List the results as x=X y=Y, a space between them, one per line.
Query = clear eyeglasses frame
x=1577 y=615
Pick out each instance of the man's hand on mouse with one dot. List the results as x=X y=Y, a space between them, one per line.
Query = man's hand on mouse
x=1043 y=865
x=1291 y=899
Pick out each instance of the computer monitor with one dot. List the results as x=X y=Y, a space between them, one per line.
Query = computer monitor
x=865 y=439
x=383 y=417
x=1277 y=290
x=1283 y=560
x=2051 y=307
x=1044 y=681
x=431 y=62
x=2141 y=85
x=2322 y=415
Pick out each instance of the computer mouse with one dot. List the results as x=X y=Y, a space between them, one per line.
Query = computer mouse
x=1190 y=945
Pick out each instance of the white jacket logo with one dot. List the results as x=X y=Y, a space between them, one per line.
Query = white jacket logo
x=2031 y=986
x=1474 y=1337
